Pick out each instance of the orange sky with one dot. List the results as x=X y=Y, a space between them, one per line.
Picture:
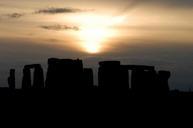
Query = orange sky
x=152 y=32
x=100 y=24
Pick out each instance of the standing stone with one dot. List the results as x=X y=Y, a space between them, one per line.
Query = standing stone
x=26 y=82
x=11 y=79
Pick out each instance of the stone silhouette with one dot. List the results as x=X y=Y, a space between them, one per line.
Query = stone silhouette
x=64 y=73
x=68 y=76
x=144 y=79
x=26 y=81
x=112 y=77
x=163 y=77
x=11 y=79
x=88 y=80
x=38 y=77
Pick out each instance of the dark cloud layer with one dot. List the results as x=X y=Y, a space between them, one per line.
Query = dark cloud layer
x=170 y=3
x=161 y=28
x=15 y=15
x=47 y=11
x=164 y=4
x=59 y=10
x=60 y=27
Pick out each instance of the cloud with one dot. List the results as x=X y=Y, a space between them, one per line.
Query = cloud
x=171 y=4
x=53 y=10
x=60 y=10
x=162 y=28
x=15 y=15
x=47 y=11
x=168 y=3
x=60 y=27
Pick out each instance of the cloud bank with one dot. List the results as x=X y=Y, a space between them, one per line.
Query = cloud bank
x=53 y=10
x=169 y=3
x=60 y=27
x=59 y=10
x=15 y=15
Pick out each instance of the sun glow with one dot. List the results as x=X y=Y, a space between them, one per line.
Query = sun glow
x=93 y=37
x=95 y=31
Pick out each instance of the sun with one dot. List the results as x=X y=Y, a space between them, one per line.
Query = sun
x=93 y=37
x=95 y=31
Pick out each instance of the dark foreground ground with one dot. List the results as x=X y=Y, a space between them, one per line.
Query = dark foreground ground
x=92 y=93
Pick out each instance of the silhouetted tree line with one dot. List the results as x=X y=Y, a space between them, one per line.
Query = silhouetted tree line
x=67 y=76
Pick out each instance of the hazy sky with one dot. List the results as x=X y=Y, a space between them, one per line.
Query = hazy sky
x=153 y=32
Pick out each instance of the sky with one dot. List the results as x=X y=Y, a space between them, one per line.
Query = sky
x=151 y=32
